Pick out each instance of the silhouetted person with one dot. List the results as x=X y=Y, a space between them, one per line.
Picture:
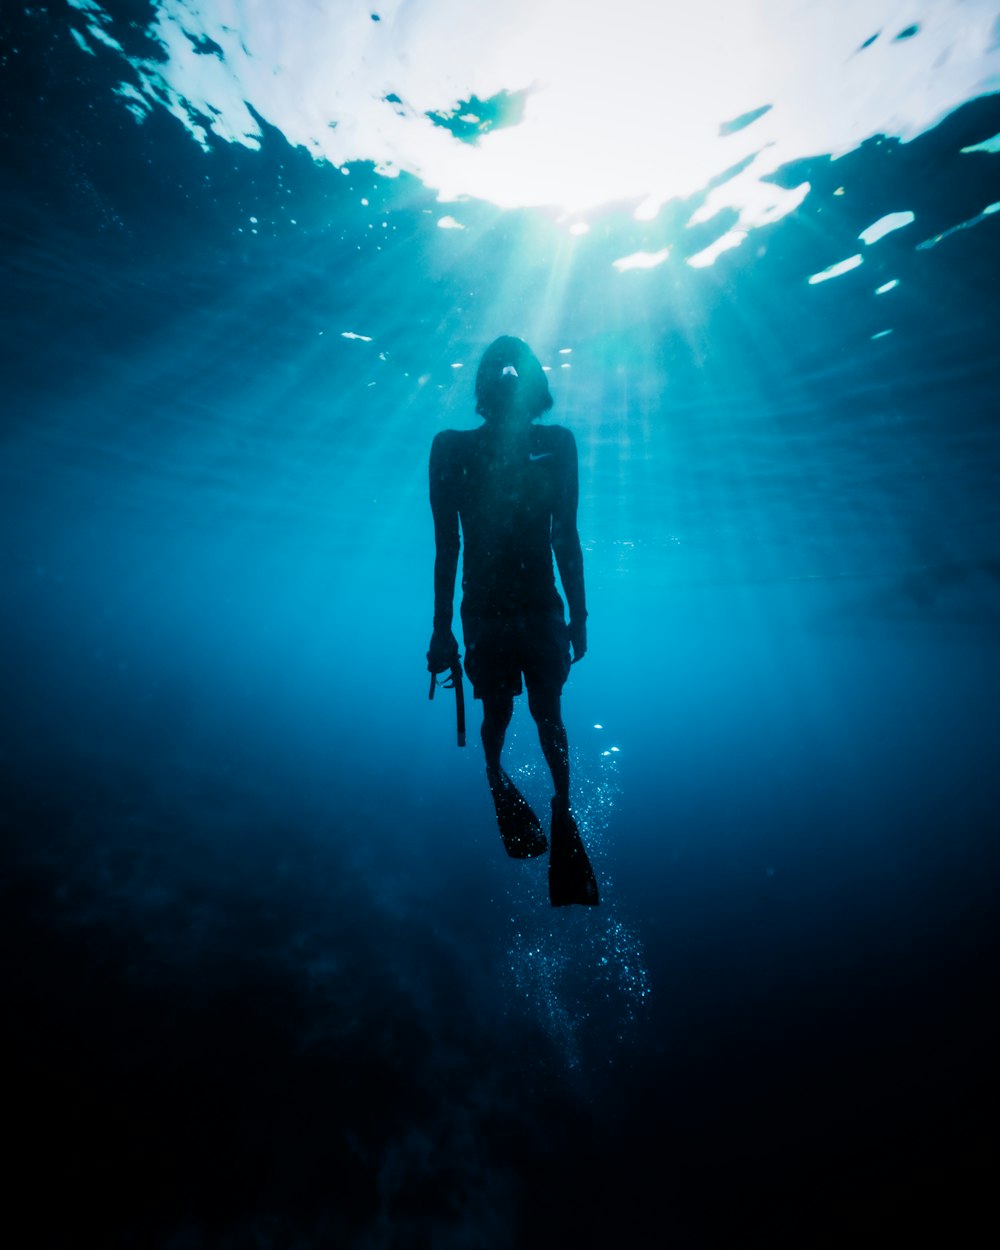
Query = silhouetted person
x=512 y=486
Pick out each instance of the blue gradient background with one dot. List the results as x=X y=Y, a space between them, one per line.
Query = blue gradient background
x=270 y=979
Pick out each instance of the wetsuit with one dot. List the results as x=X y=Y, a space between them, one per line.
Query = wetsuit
x=515 y=497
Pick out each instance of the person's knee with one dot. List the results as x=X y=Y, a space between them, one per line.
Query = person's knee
x=497 y=713
x=545 y=708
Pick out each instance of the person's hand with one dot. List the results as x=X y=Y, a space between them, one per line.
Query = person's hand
x=578 y=639
x=443 y=652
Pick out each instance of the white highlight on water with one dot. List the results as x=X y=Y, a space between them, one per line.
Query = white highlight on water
x=991 y=145
x=988 y=211
x=641 y=260
x=885 y=225
x=637 y=101
x=834 y=271
x=709 y=255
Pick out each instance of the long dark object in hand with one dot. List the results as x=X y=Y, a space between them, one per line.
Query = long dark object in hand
x=454 y=682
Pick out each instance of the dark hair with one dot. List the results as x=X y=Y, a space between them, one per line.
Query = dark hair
x=491 y=385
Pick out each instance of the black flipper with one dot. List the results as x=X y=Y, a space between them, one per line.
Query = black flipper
x=571 y=878
x=520 y=828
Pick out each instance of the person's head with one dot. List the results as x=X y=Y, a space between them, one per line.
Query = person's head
x=511 y=382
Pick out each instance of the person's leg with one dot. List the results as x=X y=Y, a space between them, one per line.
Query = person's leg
x=546 y=662
x=519 y=827
x=546 y=710
x=571 y=878
x=497 y=711
x=491 y=667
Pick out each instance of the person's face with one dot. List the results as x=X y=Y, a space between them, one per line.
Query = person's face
x=512 y=403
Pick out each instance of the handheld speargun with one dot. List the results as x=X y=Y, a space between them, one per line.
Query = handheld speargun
x=454 y=682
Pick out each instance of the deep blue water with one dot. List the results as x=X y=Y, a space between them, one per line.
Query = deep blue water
x=270 y=979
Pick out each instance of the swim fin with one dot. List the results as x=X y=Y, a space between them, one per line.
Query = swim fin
x=571 y=878
x=520 y=829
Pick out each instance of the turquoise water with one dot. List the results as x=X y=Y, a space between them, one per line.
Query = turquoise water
x=273 y=981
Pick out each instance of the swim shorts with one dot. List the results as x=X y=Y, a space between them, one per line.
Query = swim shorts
x=498 y=651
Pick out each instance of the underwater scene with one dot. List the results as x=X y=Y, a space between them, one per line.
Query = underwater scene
x=272 y=978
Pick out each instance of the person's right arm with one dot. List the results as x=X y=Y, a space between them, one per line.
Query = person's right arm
x=443 y=651
x=566 y=542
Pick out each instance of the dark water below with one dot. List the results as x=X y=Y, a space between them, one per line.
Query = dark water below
x=271 y=980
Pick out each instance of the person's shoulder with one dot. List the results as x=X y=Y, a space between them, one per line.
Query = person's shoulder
x=449 y=442
x=451 y=451
x=555 y=438
x=454 y=438
x=557 y=433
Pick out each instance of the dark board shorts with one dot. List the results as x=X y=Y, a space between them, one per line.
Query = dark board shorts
x=497 y=652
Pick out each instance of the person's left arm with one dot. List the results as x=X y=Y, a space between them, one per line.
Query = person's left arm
x=566 y=541
x=443 y=651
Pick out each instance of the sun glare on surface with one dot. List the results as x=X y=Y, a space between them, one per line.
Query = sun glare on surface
x=557 y=104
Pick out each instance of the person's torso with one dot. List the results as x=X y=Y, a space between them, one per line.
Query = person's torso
x=506 y=491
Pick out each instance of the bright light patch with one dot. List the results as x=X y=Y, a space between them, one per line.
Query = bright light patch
x=687 y=93
x=885 y=225
x=102 y=37
x=579 y=227
x=349 y=334
x=136 y=103
x=988 y=211
x=641 y=260
x=834 y=271
x=709 y=255
x=81 y=42
x=648 y=209
x=449 y=223
x=887 y=286
x=988 y=145
x=97 y=19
